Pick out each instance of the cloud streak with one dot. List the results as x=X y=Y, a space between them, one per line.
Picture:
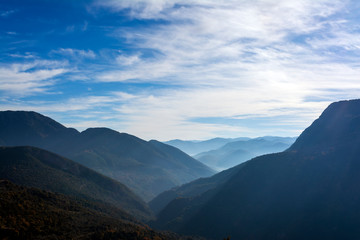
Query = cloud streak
x=75 y=53
x=22 y=79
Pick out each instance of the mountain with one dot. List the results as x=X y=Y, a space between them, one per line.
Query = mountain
x=34 y=167
x=309 y=191
x=143 y=166
x=30 y=213
x=195 y=147
x=236 y=152
x=257 y=146
x=19 y=128
x=192 y=189
x=146 y=167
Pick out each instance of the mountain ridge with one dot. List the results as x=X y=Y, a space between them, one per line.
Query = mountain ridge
x=124 y=157
x=238 y=151
x=193 y=147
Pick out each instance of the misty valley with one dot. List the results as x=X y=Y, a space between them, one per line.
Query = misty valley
x=179 y=120
x=59 y=183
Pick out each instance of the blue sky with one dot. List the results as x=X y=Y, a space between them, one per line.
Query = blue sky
x=169 y=69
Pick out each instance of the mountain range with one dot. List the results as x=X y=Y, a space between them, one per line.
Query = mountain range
x=238 y=151
x=147 y=168
x=309 y=191
x=194 y=147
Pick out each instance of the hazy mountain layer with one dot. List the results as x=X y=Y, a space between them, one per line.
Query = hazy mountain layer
x=148 y=168
x=195 y=147
x=310 y=191
x=236 y=152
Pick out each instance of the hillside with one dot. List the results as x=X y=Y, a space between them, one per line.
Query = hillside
x=307 y=192
x=192 y=189
x=38 y=168
x=30 y=213
x=145 y=168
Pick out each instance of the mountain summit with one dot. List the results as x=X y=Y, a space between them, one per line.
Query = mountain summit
x=338 y=126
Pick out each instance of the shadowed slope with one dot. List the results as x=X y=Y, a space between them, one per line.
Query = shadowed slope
x=35 y=167
x=192 y=189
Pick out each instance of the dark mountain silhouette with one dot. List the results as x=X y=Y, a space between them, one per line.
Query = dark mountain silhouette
x=144 y=167
x=195 y=147
x=236 y=152
x=337 y=127
x=19 y=128
x=30 y=213
x=310 y=191
x=34 y=167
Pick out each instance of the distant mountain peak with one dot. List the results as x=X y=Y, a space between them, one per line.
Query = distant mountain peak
x=100 y=130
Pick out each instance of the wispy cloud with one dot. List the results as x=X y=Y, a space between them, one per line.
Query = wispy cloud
x=7 y=13
x=75 y=53
x=26 y=55
x=22 y=79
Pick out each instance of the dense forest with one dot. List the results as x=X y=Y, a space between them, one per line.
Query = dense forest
x=30 y=213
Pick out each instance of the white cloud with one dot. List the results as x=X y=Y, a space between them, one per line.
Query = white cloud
x=221 y=42
x=139 y=9
x=177 y=111
x=75 y=53
x=5 y=14
x=127 y=60
x=236 y=58
x=340 y=39
x=165 y=114
x=22 y=79
x=26 y=55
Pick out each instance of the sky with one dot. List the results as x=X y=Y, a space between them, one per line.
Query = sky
x=168 y=69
